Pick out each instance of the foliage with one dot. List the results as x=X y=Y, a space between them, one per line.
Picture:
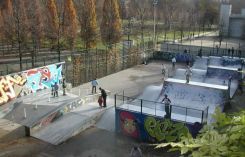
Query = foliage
x=111 y=23
x=53 y=18
x=87 y=19
x=224 y=138
x=70 y=22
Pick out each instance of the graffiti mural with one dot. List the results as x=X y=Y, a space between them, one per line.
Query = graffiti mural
x=10 y=87
x=128 y=124
x=30 y=81
x=149 y=129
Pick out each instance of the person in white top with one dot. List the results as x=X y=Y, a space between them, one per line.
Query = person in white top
x=188 y=74
x=164 y=70
x=173 y=62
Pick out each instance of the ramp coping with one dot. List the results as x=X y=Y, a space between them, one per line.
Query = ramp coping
x=198 y=84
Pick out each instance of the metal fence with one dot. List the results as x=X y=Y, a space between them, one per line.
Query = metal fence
x=206 y=51
x=94 y=63
x=185 y=114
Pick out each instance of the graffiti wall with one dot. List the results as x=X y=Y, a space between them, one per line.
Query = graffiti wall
x=30 y=81
x=151 y=129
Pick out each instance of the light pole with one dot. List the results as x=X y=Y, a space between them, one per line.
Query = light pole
x=154 y=39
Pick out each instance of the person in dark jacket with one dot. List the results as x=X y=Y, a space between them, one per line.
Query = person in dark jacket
x=166 y=101
x=104 y=95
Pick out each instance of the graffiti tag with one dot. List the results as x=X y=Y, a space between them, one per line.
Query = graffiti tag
x=7 y=91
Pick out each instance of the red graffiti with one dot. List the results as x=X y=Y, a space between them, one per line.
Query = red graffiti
x=128 y=124
x=45 y=73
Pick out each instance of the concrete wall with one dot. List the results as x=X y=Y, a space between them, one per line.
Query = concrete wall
x=225 y=12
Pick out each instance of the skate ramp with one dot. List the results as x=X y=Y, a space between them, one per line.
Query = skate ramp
x=201 y=63
x=198 y=75
x=195 y=95
x=225 y=62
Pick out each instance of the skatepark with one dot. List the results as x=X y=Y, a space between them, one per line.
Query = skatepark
x=196 y=101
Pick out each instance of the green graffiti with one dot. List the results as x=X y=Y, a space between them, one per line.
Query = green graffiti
x=165 y=130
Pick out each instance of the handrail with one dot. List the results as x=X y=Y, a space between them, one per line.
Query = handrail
x=156 y=102
x=203 y=113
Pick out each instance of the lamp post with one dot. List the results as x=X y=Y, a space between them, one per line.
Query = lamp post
x=154 y=39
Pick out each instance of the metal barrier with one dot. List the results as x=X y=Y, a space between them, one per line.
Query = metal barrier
x=178 y=113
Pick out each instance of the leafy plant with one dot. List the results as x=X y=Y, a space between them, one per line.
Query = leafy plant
x=224 y=138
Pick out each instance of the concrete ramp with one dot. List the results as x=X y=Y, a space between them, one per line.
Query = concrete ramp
x=68 y=126
x=72 y=123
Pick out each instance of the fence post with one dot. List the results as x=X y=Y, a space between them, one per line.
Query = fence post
x=141 y=105
x=185 y=114
x=115 y=97
x=202 y=116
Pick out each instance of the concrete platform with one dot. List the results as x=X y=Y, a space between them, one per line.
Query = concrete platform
x=37 y=107
x=72 y=123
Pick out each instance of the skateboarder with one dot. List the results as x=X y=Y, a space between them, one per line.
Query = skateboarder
x=188 y=74
x=232 y=52
x=103 y=95
x=94 y=85
x=56 y=88
x=164 y=70
x=173 y=62
x=167 y=103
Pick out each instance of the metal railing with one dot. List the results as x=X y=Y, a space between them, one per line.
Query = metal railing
x=146 y=107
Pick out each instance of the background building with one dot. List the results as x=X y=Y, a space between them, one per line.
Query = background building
x=231 y=25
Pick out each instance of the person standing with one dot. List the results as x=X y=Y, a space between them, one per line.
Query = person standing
x=173 y=62
x=232 y=52
x=56 y=88
x=239 y=53
x=94 y=85
x=100 y=101
x=200 y=53
x=136 y=152
x=188 y=74
x=229 y=52
x=103 y=95
x=64 y=85
x=166 y=101
x=164 y=70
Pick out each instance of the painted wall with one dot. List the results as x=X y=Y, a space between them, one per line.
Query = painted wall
x=150 y=129
x=30 y=81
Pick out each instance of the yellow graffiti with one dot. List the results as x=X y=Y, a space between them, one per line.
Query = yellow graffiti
x=7 y=87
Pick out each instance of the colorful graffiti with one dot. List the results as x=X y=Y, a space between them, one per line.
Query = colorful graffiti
x=10 y=87
x=149 y=129
x=31 y=81
x=164 y=130
x=128 y=124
